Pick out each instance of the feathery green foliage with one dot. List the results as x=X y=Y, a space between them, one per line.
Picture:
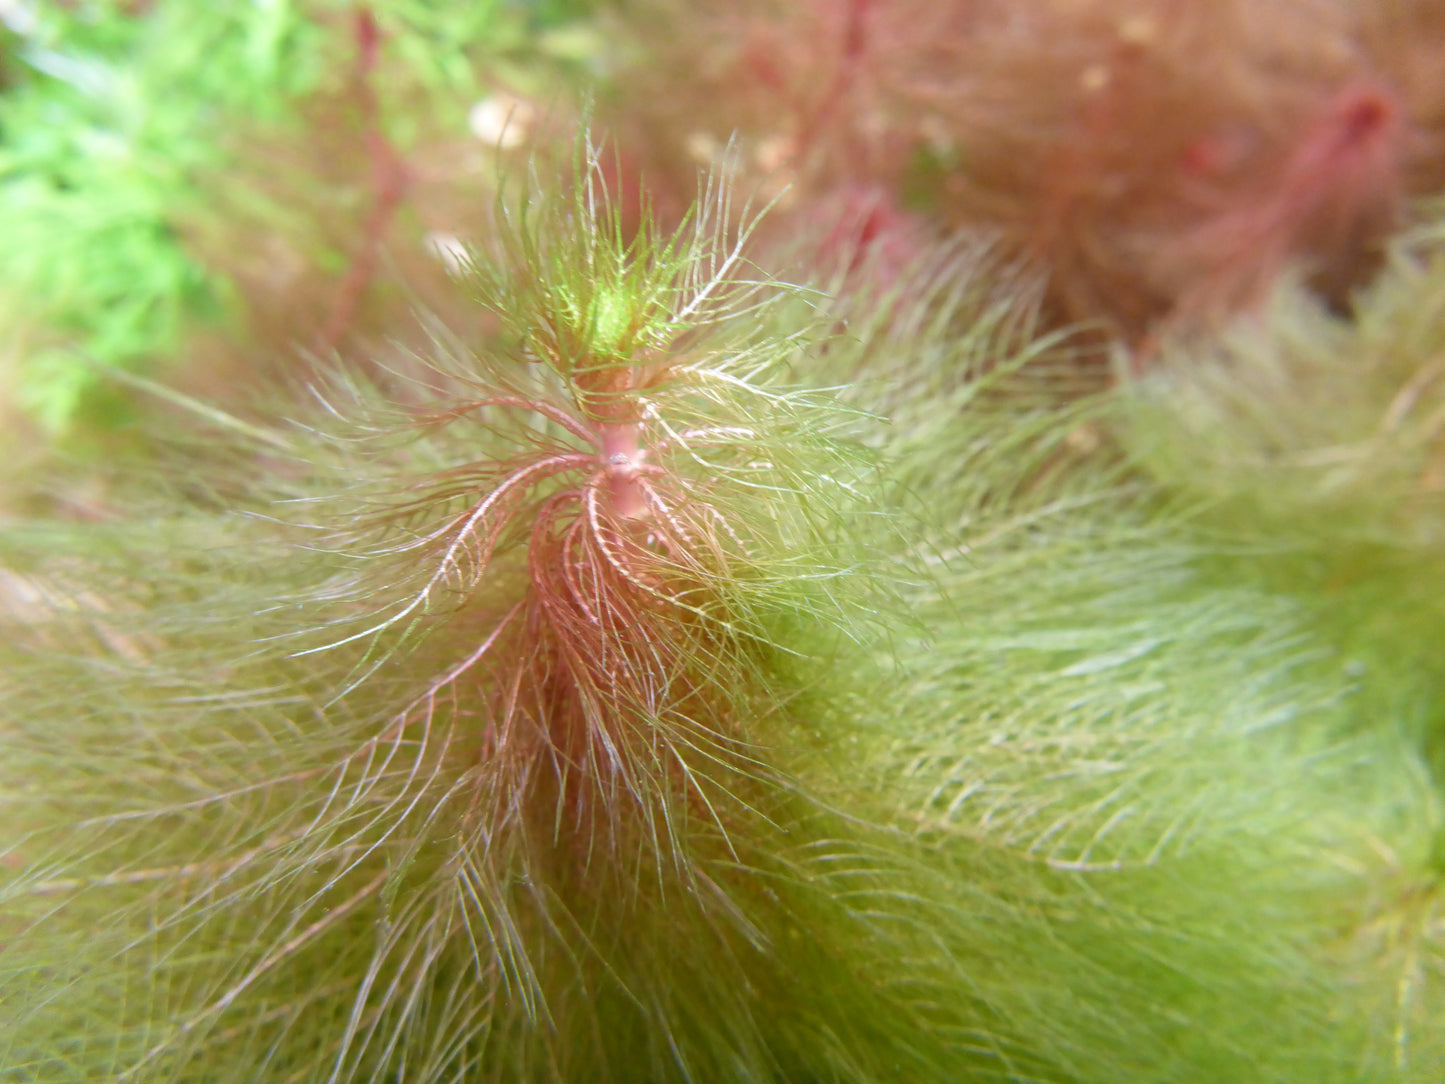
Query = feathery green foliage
x=481 y=817
x=681 y=674
x=613 y=706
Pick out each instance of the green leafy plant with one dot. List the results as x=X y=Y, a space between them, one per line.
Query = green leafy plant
x=525 y=745
x=644 y=667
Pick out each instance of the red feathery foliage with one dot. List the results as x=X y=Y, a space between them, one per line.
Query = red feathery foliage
x=804 y=95
x=610 y=681
x=1167 y=160
x=1327 y=205
x=1161 y=162
x=1404 y=40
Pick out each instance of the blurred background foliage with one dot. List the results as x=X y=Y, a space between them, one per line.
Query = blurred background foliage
x=120 y=119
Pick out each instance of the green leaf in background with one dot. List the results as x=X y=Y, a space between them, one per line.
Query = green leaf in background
x=111 y=121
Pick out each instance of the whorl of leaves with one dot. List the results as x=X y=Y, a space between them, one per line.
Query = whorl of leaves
x=447 y=761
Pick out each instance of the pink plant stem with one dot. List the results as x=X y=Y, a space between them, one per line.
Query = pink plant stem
x=835 y=97
x=1345 y=168
x=623 y=454
x=1350 y=153
x=389 y=182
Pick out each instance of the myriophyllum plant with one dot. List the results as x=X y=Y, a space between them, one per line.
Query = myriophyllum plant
x=451 y=760
x=523 y=713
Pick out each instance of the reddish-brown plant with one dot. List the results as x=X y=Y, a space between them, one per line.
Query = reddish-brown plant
x=803 y=97
x=1162 y=162
x=602 y=555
